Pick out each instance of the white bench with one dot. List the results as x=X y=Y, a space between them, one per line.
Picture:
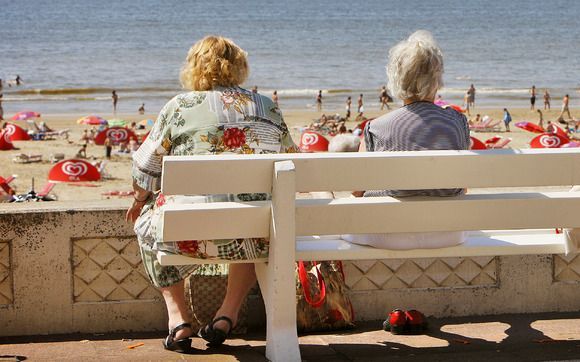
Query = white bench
x=525 y=220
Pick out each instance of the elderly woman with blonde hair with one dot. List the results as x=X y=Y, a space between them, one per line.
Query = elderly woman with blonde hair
x=415 y=74
x=216 y=116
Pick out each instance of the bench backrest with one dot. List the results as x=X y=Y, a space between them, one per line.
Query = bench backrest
x=217 y=174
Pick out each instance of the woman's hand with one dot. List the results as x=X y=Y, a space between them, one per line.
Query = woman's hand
x=134 y=211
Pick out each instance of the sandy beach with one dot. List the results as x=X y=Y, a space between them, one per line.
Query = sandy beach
x=119 y=166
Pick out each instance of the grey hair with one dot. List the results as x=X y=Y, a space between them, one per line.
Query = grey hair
x=415 y=67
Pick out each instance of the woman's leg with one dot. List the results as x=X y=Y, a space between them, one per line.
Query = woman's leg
x=177 y=309
x=241 y=279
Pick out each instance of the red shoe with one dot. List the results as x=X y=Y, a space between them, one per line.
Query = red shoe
x=416 y=322
x=396 y=322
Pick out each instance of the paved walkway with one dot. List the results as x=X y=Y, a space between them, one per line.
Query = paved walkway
x=532 y=337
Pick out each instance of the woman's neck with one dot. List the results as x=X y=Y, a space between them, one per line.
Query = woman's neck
x=415 y=100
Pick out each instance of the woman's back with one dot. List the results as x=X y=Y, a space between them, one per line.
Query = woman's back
x=418 y=126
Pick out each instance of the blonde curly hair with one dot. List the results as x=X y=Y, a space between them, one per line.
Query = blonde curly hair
x=214 y=61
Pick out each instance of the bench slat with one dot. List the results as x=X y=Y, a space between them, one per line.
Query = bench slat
x=376 y=215
x=222 y=220
x=469 y=212
x=489 y=243
x=381 y=170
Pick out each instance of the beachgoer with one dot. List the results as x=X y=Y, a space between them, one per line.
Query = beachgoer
x=541 y=121
x=241 y=121
x=533 y=98
x=319 y=101
x=1 y=108
x=92 y=134
x=141 y=109
x=361 y=108
x=115 y=98
x=471 y=96
x=82 y=152
x=43 y=127
x=415 y=74
x=18 y=80
x=1 y=85
x=507 y=118
x=466 y=103
x=565 y=107
x=85 y=137
x=108 y=147
x=275 y=97
x=384 y=98
x=547 y=99
x=348 y=105
x=550 y=127
x=476 y=121
x=255 y=89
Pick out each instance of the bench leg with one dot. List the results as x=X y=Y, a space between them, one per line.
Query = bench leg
x=276 y=277
x=279 y=292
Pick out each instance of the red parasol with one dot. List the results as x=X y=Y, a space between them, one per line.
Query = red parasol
x=73 y=171
x=117 y=135
x=92 y=120
x=476 y=144
x=23 y=116
x=313 y=142
x=5 y=142
x=531 y=127
x=548 y=140
x=16 y=133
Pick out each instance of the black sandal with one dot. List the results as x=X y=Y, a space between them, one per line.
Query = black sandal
x=178 y=345
x=216 y=337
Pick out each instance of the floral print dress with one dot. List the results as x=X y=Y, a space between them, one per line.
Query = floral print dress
x=225 y=120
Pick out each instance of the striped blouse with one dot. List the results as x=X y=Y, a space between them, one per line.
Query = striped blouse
x=418 y=126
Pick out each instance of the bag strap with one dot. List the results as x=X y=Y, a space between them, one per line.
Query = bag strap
x=306 y=285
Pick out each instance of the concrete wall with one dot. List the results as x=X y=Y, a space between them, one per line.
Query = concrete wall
x=66 y=268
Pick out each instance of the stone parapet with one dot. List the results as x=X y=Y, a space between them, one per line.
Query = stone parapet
x=67 y=268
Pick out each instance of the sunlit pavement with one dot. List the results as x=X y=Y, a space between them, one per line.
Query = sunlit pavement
x=529 y=337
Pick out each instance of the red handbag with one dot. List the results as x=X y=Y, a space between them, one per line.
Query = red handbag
x=322 y=301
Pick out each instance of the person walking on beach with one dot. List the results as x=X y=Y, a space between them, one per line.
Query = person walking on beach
x=547 y=99
x=141 y=109
x=471 y=96
x=319 y=101
x=275 y=98
x=565 y=107
x=1 y=108
x=384 y=98
x=466 y=103
x=533 y=98
x=348 y=105
x=507 y=118
x=361 y=108
x=115 y=98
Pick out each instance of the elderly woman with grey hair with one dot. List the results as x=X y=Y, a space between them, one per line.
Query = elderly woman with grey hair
x=415 y=74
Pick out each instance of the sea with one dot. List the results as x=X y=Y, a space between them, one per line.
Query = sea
x=70 y=54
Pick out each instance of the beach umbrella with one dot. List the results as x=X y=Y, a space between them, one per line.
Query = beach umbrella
x=147 y=122
x=92 y=120
x=23 y=116
x=560 y=132
x=117 y=135
x=16 y=133
x=73 y=170
x=117 y=122
x=548 y=140
x=530 y=126
x=5 y=142
x=313 y=142
x=476 y=144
